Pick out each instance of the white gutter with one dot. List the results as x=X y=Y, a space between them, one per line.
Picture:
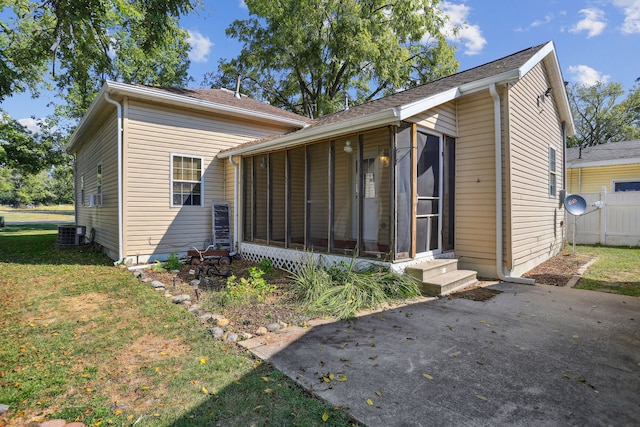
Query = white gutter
x=497 y=121
x=235 y=202
x=120 y=207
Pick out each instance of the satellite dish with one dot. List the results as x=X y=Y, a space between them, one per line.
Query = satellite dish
x=575 y=204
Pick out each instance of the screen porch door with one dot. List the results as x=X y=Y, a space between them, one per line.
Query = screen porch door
x=428 y=190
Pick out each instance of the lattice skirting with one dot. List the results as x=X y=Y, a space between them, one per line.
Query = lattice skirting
x=292 y=259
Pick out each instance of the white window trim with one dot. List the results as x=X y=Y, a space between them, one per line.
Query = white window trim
x=553 y=172
x=617 y=181
x=171 y=156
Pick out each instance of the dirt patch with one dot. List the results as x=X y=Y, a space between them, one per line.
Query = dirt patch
x=558 y=270
x=476 y=294
x=78 y=308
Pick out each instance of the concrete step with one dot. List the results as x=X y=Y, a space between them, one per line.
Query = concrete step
x=425 y=270
x=447 y=283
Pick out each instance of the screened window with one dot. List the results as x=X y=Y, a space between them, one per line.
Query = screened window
x=186 y=180
x=552 y=172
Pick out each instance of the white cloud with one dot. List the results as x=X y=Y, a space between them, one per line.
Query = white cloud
x=30 y=123
x=243 y=5
x=200 y=46
x=539 y=22
x=470 y=35
x=631 y=10
x=585 y=75
x=593 y=22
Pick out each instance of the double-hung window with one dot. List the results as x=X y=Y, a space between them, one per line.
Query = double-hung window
x=552 y=172
x=186 y=180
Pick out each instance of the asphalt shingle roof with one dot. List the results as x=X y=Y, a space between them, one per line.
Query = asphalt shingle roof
x=609 y=151
x=490 y=69
x=227 y=97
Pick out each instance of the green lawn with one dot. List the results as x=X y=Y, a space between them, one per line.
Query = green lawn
x=85 y=341
x=617 y=270
x=62 y=214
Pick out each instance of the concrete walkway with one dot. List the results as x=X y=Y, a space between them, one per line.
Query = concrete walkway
x=531 y=355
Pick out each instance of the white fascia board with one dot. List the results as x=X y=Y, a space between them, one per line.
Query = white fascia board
x=483 y=84
x=601 y=163
x=535 y=59
x=385 y=117
x=185 y=101
x=417 y=107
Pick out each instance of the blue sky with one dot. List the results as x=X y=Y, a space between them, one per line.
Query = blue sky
x=596 y=40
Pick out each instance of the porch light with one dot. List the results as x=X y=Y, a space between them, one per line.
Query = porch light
x=384 y=158
x=263 y=162
x=347 y=147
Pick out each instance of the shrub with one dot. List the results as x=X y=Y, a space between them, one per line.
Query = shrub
x=254 y=288
x=173 y=262
x=266 y=265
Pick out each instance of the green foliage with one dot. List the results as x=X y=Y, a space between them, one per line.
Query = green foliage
x=79 y=39
x=255 y=288
x=173 y=262
x=306 y=58
x=266 y=265
x=44 y=188
x=341 y=291
x=600 y=118
x=158 y=267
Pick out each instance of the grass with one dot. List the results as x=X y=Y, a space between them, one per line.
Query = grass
x=85 y=341
x=617 y=270
x=63 y=213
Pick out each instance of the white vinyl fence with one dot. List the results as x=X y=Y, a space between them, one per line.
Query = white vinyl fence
x=615 y=223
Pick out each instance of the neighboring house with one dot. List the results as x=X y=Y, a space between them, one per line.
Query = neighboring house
x=468 y=166
x=607 y=176
x=615 y=166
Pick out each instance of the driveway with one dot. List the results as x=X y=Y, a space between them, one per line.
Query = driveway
x=530 y=355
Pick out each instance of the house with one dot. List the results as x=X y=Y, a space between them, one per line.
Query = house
x=468 y=167
x=615 y=166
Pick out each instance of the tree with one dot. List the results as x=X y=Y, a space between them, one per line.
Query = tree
x=25 y=150
x=307 y=56
x=599 y=117
x=81 y=43
x=77 y=36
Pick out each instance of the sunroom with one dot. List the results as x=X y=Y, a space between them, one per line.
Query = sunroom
x=383 y=194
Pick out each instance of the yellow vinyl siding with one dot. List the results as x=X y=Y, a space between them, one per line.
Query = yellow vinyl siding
x=591 y=179
x=441 y=119
x=475 y=185
x=152 y=226
x=101 y=148
x=535 y=217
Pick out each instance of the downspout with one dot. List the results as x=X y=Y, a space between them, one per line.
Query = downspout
x=497 y=122
x=120 y=207
x=235 y=203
